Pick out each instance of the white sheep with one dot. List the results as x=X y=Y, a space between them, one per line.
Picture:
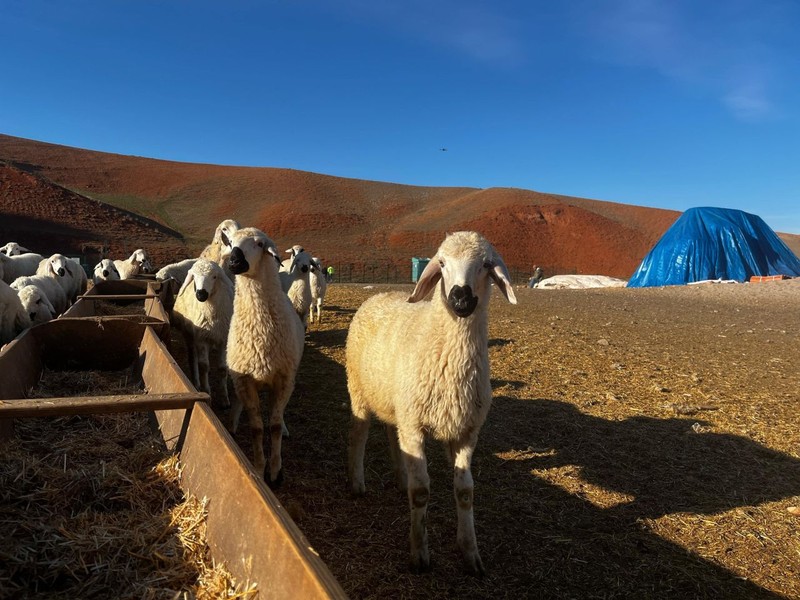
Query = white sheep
x=12 y=267
x=319 y=286
x=220 y=246
x=13 y=249
x=105 y=270
x=265 y=343
x=13 y=318
x=295 y=282
x=423 y=368
x=177 y=270
x=79 y=273
x=68 y=273
x=202 y=311
x=49 y=287
x=36 y=304
x=133 y=265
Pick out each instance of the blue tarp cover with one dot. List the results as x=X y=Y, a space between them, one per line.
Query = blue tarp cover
x=715 y=243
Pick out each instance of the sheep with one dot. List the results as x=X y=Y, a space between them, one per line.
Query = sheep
x=13 y=318
x=202 y=311
x=295 y=282
x=105 y=270
x=265 y=344
x=79 y=274
x=423 y=368
x=13 y=249
x=319 y=286
x=220 y=247
x=49 y=287
x=12 y=267
x=65 y=272
x=173 y=275
x=36 y=304
x=133 y=265
x=177 y=271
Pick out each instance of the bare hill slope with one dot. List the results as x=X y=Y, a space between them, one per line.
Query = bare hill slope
x=348 y=220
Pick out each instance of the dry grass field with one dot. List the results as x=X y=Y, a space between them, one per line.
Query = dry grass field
x=641 y=444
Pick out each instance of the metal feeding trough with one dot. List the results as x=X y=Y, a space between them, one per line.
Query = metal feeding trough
x=247 y=528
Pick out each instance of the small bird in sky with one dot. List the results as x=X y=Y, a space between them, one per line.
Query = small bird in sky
x=443 y=149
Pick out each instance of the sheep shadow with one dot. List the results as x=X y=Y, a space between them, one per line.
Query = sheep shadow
x=649 y=468
x=536 y=539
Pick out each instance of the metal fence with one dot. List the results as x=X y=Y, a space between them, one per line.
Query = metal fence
x=392 y=272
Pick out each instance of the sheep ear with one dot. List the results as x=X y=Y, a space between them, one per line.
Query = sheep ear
x=225 y=240
x=23 y=249
x=430 y=276
x=274 y=252
x=47 y=303
x=189 y=279
x=499 y=273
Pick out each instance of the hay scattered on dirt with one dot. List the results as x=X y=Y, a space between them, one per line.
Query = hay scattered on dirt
x=660 y=464
x=91 y=507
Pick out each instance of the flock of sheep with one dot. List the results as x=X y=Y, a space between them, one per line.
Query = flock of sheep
x=420 y=367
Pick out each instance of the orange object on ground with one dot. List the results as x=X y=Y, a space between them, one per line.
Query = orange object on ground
x=763 y=278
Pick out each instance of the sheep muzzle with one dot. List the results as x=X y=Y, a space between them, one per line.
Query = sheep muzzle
x=105 y=273
x=201 y=295
x=61 y=272
x=237 y=262
x=462 y=300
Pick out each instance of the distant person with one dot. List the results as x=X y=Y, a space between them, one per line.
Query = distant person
x=538 y=275
x=329 y=274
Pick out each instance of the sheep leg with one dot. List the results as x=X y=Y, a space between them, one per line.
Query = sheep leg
x=247 y=395
x=203 y=366
x=463 y=487
x=412 y=444
x=397 y=458
x=359 y=430
x=282 y=388
x=222 y=376
x=191 y=353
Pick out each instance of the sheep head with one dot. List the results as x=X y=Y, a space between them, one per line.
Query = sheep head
x=13 y=249
x=139 y=257
x=248 y=247
x=106 y=270
x=224 y=232
x=466 y=264
x=204 y=276
x=57 y=265
x=36 y=305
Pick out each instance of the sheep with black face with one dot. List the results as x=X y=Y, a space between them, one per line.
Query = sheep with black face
x=203 y=310
x=265 y=344
x=423 y=369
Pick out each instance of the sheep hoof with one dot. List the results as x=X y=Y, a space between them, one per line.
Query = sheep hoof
x=474 y=565
x=357 y=490
x=420 y=565
x=273 y=485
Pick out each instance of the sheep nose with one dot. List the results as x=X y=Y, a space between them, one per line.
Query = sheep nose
x=33 y=316
x=237 y=261
x=462 y=300
x=61 y=272
x=105 y=273
x=304 y=269
x=201 y=295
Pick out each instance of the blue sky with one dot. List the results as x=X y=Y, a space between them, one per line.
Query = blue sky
x=662 y=103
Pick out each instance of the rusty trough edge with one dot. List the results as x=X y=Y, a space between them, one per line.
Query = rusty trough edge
x=278 y=558
x=247 y=528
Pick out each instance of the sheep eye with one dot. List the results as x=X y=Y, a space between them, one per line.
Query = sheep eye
x=487 y=265
x=260 y=244
x=441 y=263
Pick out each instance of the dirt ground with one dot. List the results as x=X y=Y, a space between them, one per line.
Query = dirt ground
x=642 y=443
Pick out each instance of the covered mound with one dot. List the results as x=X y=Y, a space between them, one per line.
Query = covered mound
x=715 y=243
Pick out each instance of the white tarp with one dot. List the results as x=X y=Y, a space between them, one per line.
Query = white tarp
x=580 y=282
